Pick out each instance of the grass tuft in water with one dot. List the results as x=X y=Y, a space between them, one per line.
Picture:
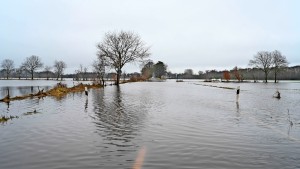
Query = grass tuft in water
x=4 y=119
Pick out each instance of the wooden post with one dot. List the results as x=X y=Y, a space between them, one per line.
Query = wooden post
x=277 y=94
x=86 y=91
x=237 y=93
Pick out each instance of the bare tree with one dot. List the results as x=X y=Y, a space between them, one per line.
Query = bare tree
x=19 y=72
x=59 y=67
x=99 y=67
x=279 y=63
x=25 y=71
x=122 y=48
x=79 y=72
x=32 y=63
x=85 y=71
x=263 y=61
x=47 y=70
x=8 y=66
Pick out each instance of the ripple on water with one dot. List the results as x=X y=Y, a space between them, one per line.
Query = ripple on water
x=182 y=125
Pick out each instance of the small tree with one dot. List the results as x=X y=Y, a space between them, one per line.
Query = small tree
x=19 y=72
x=147 y=69
x=122 y=48
x=47 y=71
x=32 y=63
x=237 y=74
x=160 y=69
x=8 y=66
x=226 y=75
x=85 y=71
x=99 y=67
x=279 y=63
x=59 y=67
x=79 y=73
x=263 y=61
x=188 y=73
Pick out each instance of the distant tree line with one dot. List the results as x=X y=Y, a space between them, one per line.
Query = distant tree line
x=28 y=69
x=265 y=66
x=120 y=48
x=239 y=74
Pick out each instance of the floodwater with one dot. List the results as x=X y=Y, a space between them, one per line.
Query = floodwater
x=189 y=125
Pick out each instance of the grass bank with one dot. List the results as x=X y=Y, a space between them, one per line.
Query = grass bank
x=59 y=90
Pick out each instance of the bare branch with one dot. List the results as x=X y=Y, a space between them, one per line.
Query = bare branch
x=32 y=63
x=122 y=48
x=8 y=66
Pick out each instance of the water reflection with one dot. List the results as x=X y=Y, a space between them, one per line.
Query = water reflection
x=85 y=104
x=7 y=103
x=238 y=113
x=19 y=91
x=237 y=107
x=182 y=126
x=116 y=121
x=5 y=91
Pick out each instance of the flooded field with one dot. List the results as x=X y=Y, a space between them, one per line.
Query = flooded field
x=180 y=125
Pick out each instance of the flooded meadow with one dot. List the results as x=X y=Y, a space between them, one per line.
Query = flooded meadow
x=192 y=124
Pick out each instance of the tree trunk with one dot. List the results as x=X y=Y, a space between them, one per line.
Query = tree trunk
x=118 y=76
x=32 y=75
x=266 y=77
x=102 y=78
x=118 y=79
x=275 y=76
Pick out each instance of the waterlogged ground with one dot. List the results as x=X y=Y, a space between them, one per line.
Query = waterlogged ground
x=181 y=125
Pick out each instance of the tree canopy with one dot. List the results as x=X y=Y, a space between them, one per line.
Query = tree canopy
x=269 y=61
x=263 y=61
x=100 y=66
x=160 y=69
x=8 y=66
x=147 y=69
x=32 y=63
x=120 y=48
x=279 y=63
x=59 y=67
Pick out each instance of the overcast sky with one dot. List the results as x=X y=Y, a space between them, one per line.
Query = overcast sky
x=197 y=34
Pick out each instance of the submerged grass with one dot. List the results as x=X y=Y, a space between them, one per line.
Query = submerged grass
x=31 y=113
x=4 y=119
x=221 y=87
x=59 y=90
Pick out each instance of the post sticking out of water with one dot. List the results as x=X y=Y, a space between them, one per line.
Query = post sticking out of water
x=86 y=91
x=277 y=94
x=8 y=95
x=237 y=93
